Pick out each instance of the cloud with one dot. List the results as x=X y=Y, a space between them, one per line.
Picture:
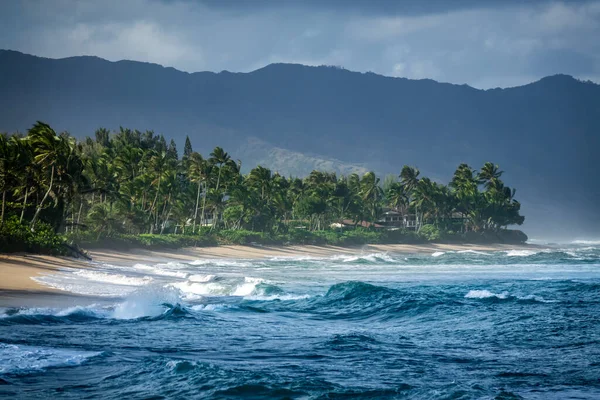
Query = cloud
x=495 y=44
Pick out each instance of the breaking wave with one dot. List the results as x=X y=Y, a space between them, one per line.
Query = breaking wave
x=22 y=359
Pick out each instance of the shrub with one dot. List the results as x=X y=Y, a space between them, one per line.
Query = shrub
x=17 y=237
x=430 y=233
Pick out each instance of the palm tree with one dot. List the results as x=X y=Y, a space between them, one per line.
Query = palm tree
x=219 y=157
x=6 y=154
x=198 y=173
x=261 y=179
x=24 y=167
x=397 y=197
x=49 y=150
x=409 y=178
x=489 y=173
x=371 y=194
x=464 y=184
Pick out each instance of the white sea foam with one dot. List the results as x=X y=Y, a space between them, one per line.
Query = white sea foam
x=481 y=253
x=485 y=294
x=147 y=302
x=536 y=298
x=373 y=257
x=248 y=287
x=18 y=359
x=201 y=278
x=586 y=242
x=160 y=271
x=282 y=297
x=438 y=254
x=521 y=253
x=205 y=285
x=222 y=263
x=115 y=279
x=210 y=307
x=203 y=289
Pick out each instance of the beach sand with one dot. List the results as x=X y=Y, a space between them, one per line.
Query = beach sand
x=17 y=271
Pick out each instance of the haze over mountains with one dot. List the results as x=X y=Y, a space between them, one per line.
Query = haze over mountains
x=294 y=118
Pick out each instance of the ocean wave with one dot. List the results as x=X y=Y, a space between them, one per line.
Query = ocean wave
x=222 y=262
x=20 y=359
x=586 y=242
x=201 y=278
x=35 y=316
x=210 y=285
x=114 y=279
x=157 y=270
x=150 y=302
x=521 y=253
x=480 y=253
x=485 y=294
x=210 y=307
x=372 y=258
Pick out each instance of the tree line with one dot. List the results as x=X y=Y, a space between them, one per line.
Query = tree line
x=135 y=182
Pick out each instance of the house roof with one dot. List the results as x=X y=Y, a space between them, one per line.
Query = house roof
x=391 y=212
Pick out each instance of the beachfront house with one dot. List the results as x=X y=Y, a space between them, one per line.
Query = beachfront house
x=393 y=219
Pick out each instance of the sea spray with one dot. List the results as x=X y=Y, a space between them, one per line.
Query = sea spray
x=150 y=301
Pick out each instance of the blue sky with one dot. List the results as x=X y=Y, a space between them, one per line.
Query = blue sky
x=481 y=43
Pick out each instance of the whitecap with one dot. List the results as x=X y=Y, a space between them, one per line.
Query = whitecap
x=221 y=263
x=536 y=298
x=485 y=294
x=521 y=253
x=373 y=258
x=481 y=253
x=282 y=297
x=201 y=278
x=20 y=359
x=203 y=289
x=115 y=279
x=148 y=302
x=247 y=287
x=210 y=307
x=438 y=254
x=160 y=271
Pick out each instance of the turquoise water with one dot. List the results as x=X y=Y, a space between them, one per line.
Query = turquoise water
x=455 y=325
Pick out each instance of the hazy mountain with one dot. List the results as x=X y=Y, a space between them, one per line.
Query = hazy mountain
x=545 y=135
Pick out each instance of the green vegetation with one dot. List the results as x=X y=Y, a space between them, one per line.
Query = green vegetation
x=131 y=189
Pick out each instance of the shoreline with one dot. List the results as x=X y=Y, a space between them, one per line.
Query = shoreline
x=17 y=270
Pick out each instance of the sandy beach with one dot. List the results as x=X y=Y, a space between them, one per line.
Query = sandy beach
x=17 y=271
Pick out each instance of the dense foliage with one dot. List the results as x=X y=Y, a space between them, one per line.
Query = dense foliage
x=133 y=186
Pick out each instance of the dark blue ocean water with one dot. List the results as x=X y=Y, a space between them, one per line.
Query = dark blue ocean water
x=469 y=325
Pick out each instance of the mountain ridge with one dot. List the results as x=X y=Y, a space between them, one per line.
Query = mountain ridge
x=543 y=134
x=284 y=64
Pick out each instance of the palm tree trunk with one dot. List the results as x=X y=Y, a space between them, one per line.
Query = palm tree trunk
x=216 y=216
x=3 y=203
x=202 y=216
x=24 y=204
x=39 y=208
x=196 y=209
x=79 y=213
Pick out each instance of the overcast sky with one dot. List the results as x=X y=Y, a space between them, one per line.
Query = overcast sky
x=500 y=43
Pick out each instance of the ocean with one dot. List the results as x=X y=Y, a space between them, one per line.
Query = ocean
x=446 y=325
